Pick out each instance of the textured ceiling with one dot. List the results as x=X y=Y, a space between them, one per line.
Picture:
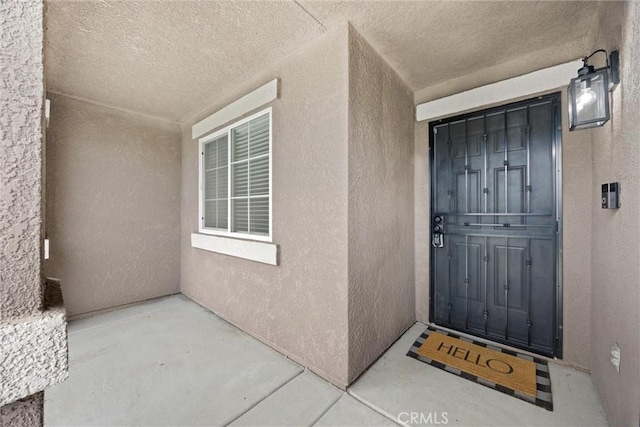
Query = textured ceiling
x=170 y=58
x=165 y=58
x=428 y=42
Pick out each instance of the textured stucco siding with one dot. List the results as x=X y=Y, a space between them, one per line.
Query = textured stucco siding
x=25 y=412
x=422 y=219
x=21 y=94
x=33 y=349
x=113 y=205
x=381 y=238
x=577 y=185
x=300 y=306
x=615 y=269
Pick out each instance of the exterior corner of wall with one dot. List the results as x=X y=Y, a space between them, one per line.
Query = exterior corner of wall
x=309 y=196
x=21 y=100
x=35 y=349
x=381 y=290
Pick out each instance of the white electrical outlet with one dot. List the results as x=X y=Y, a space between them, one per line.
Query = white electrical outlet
x=615 y=356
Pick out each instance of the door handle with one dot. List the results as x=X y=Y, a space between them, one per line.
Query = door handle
x=438 y=233
x=438 y=240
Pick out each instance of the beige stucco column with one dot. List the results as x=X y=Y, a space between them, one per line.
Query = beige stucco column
x=33 y=337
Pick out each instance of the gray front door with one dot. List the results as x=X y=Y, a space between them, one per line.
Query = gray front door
x=495 y=211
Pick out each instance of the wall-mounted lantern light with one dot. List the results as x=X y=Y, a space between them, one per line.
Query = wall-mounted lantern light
x=589 y=92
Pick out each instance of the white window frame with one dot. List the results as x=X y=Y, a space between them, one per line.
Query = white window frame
x=216 y=232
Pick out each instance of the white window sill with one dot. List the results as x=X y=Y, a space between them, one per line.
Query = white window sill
x=264 y=252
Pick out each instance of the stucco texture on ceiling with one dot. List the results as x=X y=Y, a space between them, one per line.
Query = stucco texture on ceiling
x=165 y=58
x=171 y=59
x=428 y=42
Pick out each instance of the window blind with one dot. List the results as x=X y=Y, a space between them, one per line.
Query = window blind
x=250 y=177
x=236 y=178
x=216 y=188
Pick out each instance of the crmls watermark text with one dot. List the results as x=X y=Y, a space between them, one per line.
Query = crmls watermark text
x=422 y=418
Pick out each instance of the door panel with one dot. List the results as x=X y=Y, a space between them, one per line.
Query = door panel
x=493 y=176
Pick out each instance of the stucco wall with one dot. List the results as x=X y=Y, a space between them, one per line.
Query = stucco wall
x=381 y=240
x=113 y=205
x=300 y=306
x=34 y=349
x=616 y=234
x=577 y=185
x=27 y=412
x=422 y=218
x=577 y=193
x=21 y=95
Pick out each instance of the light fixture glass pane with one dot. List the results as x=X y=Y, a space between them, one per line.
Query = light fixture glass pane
x=589 y=102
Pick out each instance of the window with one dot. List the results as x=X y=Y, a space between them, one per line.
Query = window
x=235 y=179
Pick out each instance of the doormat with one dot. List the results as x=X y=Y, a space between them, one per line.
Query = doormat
x=516 y=374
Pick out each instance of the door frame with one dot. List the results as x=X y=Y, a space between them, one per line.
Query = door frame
x=556 y=152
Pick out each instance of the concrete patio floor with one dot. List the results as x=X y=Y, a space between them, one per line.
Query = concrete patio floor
x=172 y=362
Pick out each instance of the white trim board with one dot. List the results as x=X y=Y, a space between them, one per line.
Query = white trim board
x=499 y=92
x=266 y=253
x=255 y=99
